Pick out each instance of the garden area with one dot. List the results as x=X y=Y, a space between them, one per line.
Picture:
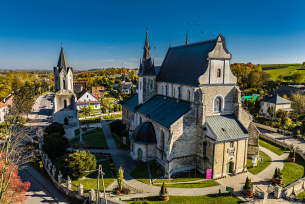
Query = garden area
x=208 y=199
x=95 y=139
x=90 y=120
x=293 y=171
x=110 y=117
x=140 y=173
x=260 y=166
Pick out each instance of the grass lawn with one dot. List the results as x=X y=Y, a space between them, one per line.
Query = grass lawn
x=95 y=139
x=271 y=146
x=91 y=180
x=291 y=68
x=201 y=184
x=183 y=177
x=112 y=116
x=260 y=166
x=210 y=199
x=293 y=171
x=141 y=173
x=301 y=196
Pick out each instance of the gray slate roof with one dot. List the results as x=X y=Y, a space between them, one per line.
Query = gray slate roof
x=184 y=64
x=131 y=103
x=276 y=100
x=226 y=128
x=164 y=111
x=63 y=62
x=144 y=134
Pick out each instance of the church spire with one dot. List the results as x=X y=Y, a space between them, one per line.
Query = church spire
x=62 y=61
x=187 y=38
x=146 y=55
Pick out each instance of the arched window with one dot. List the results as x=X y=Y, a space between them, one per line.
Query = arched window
x=140 y=120
x=165 y=90
x=162 y=140
x=217 y=104
x=65 y=104
x=188 y=95
x=151 y=85
x=140 y=85
x=179 y=93
x=162 y=92
x=64 y=84
x=218 y=73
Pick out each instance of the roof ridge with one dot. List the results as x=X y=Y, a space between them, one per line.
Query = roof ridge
x=195 y=43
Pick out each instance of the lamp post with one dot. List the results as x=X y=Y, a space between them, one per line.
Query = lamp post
x=100 y=172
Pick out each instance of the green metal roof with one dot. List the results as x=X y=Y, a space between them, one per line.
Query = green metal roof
x=164 y=111
x=131 y=103
x=226 y=128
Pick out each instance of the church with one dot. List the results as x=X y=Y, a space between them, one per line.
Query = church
x=64 y=103
x=188 y=115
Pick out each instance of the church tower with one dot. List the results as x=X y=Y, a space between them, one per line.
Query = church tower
x=64 y=106
x=147 y=75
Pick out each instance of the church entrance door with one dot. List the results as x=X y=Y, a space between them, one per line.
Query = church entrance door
x=140 y=154
x=230 y=167
x=66 y=121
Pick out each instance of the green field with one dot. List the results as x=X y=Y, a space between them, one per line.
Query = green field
x=272 y=147
x=285 y=70
x=293 y=171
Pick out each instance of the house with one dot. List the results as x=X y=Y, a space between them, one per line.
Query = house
x=98 y=91
x=126 y=87
x=4 y=111
x=9 y=99
x=189 y=115
x=84 y=98
x=288 y=90
x=78 y=86
x=275 y=101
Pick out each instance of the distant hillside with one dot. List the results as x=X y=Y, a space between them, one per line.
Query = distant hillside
x=285 y=69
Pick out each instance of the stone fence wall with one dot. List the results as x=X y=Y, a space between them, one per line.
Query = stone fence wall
x=66 y=186
x=297 y=186
x=266 y=127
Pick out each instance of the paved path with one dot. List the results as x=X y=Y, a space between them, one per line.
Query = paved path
x=277 y=161
x=288 y=139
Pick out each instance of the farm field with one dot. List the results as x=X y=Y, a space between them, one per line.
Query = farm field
x=285 y=69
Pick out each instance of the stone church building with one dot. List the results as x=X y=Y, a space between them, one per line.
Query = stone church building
x=189 y=114
x=64 y=105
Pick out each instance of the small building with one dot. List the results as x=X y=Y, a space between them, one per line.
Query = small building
x=98 y=91
x=129 y=109
x=4 y=110
x=78 y=86
x=85 y=98
x=8 y=100
x=288 y=90
x=126 y=87
x=277 y=102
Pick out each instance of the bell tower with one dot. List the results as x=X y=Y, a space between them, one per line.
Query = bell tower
x=147 y=75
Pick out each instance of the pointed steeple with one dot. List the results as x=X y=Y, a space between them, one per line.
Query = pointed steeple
x=146 y=55
x=146 y=66
x=187 y=38
x=62 y=61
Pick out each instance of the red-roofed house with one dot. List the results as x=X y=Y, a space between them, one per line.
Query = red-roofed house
x=85 y=98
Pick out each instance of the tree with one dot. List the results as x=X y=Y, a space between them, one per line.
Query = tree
x=163 y=190
x=248 y=185
x=24 y=99
x=120 y=178
x=257 y=106
x=14 y=154
x=270 y=111
x=15 y=188
x=132 y=90
x=55 y=145
x=54 y=128
x=79 y=162
x=297 y=77
x=120 y=89
x=86 y=110
x=277 y=173
x=303 y=128
x=298 y=103
x=115 y=108
x=104 y=110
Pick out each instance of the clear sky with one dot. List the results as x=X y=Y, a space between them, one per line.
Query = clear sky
x=101 y=34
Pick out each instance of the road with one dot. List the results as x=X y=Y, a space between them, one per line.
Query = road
x=41 y=190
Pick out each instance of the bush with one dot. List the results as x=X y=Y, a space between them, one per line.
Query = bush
x=55 y=127
x=79 y=162
x=292 y=154
x=163 y=190
x=138 y=201
x=248 y=185
x=55 y=145
x=277 y=173
x=117 y=127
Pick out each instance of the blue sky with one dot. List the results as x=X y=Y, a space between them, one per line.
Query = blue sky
x=101 y=34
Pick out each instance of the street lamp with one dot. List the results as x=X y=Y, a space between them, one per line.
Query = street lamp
x=98 y=182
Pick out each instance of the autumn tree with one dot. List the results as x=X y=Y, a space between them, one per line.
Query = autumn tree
x=298 y=103
x=270 y=111
x=297 y=77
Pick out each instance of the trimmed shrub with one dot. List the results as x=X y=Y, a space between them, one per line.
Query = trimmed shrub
x=163 y=190
x=79 y=162
x=248 y=185
x=138 y=201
